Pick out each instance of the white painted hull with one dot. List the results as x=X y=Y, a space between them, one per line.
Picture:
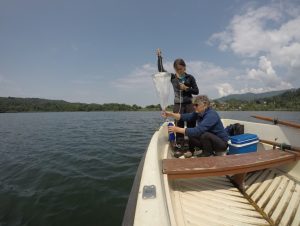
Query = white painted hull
x=199 y=201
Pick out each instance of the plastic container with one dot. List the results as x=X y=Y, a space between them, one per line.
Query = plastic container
x=172 y=134
x=243 y=143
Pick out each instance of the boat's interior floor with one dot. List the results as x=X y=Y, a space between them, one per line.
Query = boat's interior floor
x=270 y=198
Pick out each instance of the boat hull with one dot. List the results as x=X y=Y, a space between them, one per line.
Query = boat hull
x=165 y=208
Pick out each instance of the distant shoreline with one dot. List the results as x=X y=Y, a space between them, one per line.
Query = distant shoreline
x=279 y=110
x=285 y=101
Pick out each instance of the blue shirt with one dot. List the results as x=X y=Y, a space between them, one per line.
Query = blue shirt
x=208 y=121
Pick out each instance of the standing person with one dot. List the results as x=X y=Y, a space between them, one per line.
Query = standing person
x=184 y=86
x=209 y=134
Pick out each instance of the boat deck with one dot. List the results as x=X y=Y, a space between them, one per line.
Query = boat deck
x=270 y=198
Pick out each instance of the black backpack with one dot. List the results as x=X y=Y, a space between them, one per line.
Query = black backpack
x=235 y=129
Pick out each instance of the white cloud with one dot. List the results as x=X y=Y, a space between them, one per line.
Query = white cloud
x=267 y=41
x=225 y=89
x=267 y=75
x=213 y=80
x=250 y=34
x=140 y=77
x=269 y=32
x=207 y=75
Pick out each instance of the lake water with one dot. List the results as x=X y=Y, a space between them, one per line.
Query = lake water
x=76 y=168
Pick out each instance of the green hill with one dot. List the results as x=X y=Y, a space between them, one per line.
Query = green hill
x=288 y=100
x=14 y=104
x=251 y=96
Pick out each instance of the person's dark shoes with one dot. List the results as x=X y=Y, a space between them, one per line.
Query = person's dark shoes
x=180 y=151
x=178 y=154
x=188 y=154
x=197 y=152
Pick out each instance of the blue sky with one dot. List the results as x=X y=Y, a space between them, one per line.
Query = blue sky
x=104 y=51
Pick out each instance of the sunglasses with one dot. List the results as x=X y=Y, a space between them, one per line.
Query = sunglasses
x=195 y=105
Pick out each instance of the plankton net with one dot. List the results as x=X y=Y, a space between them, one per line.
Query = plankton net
x=162 y=82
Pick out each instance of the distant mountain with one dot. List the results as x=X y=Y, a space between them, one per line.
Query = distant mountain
x=287 y=101
x=252 y=96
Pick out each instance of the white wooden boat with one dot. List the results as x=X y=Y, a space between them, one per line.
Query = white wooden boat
x=271 y=196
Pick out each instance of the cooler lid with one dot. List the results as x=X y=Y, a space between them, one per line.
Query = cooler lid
x=243 y=138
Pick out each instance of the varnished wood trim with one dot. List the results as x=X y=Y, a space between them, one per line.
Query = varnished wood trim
x=204 y=167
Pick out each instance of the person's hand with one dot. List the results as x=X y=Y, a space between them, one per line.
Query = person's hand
x=158 y=52
x=172 y=129
x=183 y=87
x=166 y=114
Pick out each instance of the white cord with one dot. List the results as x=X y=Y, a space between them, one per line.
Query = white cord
x=180 y=100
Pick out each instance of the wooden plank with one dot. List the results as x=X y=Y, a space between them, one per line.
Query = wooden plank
x=288 y=216
x=224 y=188
x=253 y=187
x=296 y=221
x=178 y=206
x=197 y=219
x=221 y=193
x=221 y=215
x=220 y=163
x=283 y=203
x=276 y=197
x=253 y=177
x=270 y=191
x=220 y=199
x=222 y=202
x=225 y=165
x=224 y=209
x=249 y=175
x=194 y=217
x=221 y=196
x=263 y=187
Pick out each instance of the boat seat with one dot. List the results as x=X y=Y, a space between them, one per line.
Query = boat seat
x=236 y=165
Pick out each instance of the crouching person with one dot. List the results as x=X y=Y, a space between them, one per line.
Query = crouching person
x=208 y=134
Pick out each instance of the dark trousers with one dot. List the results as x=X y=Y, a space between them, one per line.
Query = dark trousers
x=185 y=108
x=208 y=142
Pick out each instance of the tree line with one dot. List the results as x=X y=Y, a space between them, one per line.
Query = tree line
x=289 y=100
x=15 y=104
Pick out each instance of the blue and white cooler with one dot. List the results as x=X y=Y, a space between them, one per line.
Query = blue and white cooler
x=243 y=143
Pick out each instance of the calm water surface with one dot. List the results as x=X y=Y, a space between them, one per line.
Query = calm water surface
x=76 y=168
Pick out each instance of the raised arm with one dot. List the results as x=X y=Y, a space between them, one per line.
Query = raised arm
x=159 y=61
